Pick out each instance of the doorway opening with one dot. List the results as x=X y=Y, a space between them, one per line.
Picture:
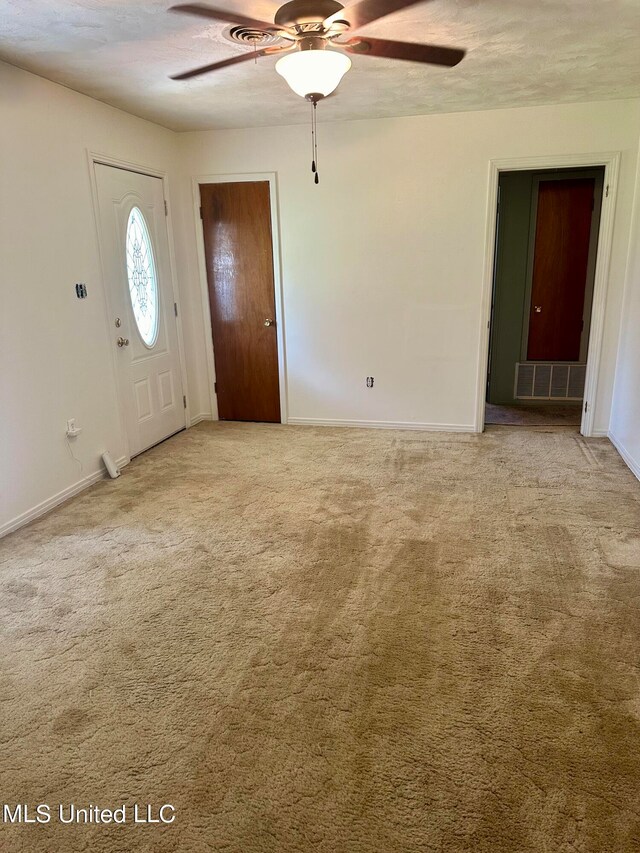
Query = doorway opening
x=546 y=244
x=240 y=253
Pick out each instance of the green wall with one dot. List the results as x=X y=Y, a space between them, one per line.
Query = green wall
x=510 y=283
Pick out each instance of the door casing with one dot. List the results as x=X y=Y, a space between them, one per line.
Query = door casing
x=611 y=162
x=94 y=158
x=271 y=178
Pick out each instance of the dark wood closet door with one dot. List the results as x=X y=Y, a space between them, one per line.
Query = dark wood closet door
x=561 y=254
x=237 y=236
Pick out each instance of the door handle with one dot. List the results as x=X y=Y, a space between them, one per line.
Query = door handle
x=123 y=342
x=537 y=309
x=269 y=322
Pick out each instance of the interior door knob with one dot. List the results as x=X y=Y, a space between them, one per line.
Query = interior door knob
x=123 y=342
x=537 y=309
x=269 y=322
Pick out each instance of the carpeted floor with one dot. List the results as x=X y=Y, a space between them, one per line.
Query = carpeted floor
x=541 y=414
x=332 y=640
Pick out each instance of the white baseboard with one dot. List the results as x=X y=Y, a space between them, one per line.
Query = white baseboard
x=599 y=433
x=628 y=458
x=383 y=425
x=203 y=416
x=56 y=500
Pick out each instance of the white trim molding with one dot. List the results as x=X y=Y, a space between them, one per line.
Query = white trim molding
x=272 y=179
x=60 y=498
x=611 y=162
x=410 y=425
x=203 y=416
x=632 y=463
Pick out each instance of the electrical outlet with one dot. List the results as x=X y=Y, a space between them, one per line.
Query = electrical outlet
x=72 y=429
x=369 y=381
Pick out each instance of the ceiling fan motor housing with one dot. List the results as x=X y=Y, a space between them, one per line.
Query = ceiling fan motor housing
x=312 y=43
x=301 y=12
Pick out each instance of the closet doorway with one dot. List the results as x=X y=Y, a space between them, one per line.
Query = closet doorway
x=546 y=247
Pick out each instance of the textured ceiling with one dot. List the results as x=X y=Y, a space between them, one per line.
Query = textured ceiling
x=520 y=52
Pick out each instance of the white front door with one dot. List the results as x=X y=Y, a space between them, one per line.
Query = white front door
x=135 y=256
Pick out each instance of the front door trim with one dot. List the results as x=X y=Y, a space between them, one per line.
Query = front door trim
x=611 y=162
x=272 y=179
x=94 y=158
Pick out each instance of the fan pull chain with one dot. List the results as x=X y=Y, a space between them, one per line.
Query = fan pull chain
x=314 y=141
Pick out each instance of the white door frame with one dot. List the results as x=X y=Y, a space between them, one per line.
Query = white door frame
x=272 y=179
x=94 y=158
x=611 y=162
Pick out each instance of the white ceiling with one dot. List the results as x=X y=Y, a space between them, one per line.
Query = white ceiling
x=520 y=52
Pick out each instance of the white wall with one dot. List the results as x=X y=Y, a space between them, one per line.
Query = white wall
x=383 y=261
x=382 y=267
x=625 y=414
x=55 y=361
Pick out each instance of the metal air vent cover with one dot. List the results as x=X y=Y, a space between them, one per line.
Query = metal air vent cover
x=251 y=37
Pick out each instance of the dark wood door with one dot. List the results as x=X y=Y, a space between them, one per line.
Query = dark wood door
x=561 y=254
x=237 y=237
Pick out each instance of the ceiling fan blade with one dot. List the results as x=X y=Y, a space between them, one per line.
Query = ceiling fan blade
x=430 y=54
x=367 y=11
x=232 y=60
x=220 y=15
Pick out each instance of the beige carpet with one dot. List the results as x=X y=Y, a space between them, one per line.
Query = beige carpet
x=338 y=641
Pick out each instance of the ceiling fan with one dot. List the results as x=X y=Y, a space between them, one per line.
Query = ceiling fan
x=310 y=27
x=311 y=30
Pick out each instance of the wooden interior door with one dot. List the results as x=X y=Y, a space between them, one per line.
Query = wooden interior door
x=561 y=254
x=239 y=254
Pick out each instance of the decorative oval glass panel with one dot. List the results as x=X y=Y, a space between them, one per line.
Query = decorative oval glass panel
x=141 y=272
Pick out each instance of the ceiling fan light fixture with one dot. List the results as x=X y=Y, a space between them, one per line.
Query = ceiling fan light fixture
x=313 y=72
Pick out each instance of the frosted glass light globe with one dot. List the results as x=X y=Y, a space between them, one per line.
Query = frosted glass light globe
x=313 y=72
